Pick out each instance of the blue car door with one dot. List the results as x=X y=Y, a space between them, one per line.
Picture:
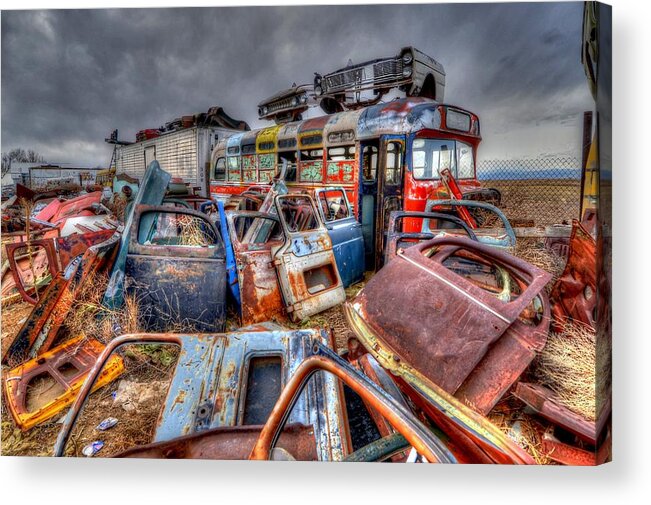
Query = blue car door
x=345 y=233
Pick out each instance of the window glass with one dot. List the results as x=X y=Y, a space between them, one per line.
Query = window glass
x=312 y=155
x=369 y=163
x=393 y=169
x=234 y=173
x=341 y=153
x=312 y=140
x=290 y=157
x=220 y=169
x=432 y=155
x=171 y=228
x=334 y=205
x=466 y=161
x=257 y=230
x=248 y=149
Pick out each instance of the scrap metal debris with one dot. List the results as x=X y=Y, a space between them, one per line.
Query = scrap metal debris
x=432 y=341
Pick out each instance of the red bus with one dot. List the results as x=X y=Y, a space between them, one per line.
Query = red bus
x=386 y=156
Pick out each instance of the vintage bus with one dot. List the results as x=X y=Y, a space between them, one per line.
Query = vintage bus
x=386 y=156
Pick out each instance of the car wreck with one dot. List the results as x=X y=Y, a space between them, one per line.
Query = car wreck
x=478 y=315
x=268 y=393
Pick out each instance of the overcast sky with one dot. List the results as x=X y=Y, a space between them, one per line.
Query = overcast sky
x=71 y=76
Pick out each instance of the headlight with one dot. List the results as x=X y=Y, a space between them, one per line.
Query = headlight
x=406 y=72
x=407 y=58
x=304 y=98
x=295 y=101
x=318 y=91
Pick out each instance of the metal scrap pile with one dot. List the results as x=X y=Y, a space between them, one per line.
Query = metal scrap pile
x=445 y=330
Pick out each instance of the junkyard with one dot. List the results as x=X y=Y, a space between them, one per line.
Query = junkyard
x=335 y=287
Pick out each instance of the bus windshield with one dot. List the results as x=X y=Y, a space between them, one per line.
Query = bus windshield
x=429 y=156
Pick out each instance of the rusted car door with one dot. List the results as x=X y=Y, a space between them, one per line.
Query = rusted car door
x=48 y=256
x=398 y=239
x=259 y=291
x=496 y=229
x=229 y=383
x=176 y=267
x=477 y=315
x=345 y=233
x=306 y=266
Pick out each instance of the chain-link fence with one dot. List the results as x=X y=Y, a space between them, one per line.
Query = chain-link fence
x=538 y=191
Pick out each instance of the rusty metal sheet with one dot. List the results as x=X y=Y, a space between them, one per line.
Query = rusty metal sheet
x=40 y=388
x=42 y=326
x=574 y=456
x=505 y=361
x=544 y=402
x=461 y=296
x=176 y=267
x=574 y=294
x=307 y=269
x=228 y=443
x=470 y=436
x=151 y=192
x=32 y=266
x=260 y=296
x=209 y=387
x=53 y=255
x=57 y=211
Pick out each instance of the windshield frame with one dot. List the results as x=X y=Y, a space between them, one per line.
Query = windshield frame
x=456 y=144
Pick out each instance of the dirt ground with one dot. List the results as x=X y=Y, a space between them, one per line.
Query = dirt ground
x=135 y=427
x=154 y=367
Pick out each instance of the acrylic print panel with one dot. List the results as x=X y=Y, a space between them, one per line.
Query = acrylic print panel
x=293 y=241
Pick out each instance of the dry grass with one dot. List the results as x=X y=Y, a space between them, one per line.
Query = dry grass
x=192 y=233
x=334 y=319
x=90 y=317
x=533 y=251
x=543 y=201
x=568 y=366
x=135 y=426
x=524 y=429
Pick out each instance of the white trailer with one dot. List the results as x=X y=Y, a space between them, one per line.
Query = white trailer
x=184 y=153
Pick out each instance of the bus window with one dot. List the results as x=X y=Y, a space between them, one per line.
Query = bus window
x=234 y=173
x=249 y=167
x=431 y=155
x=311 y=169
x=290 y=158
x=465 y=161
x=333 y=204
x=393 y=169
x=369 y=157
x=340 y=167
x=220 y=170
x=312 y=155
x=341 y=153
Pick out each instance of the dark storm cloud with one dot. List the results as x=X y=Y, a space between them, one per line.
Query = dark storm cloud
x=69 y=77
